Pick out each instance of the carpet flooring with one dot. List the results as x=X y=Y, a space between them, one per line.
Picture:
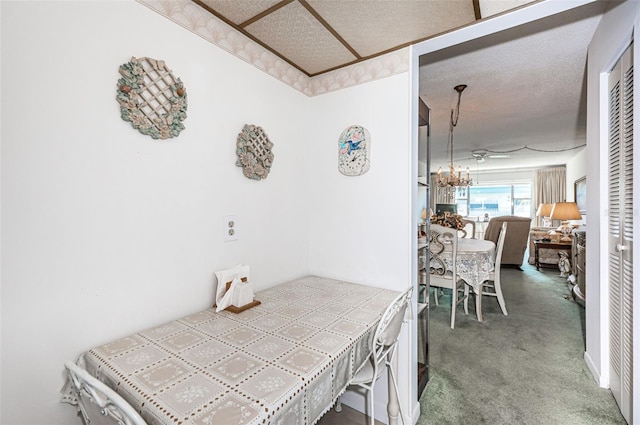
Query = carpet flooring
x=525 y=368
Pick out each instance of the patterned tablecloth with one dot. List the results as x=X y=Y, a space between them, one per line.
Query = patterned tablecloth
x=284 y=361
x=474 y=261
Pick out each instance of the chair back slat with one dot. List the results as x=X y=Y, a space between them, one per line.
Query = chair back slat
x=390 y=323
x=468 y=230
x=443 y=267
x=442 y=239
x=99 y=404
x=500 y=246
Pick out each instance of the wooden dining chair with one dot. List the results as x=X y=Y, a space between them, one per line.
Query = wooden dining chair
x=383 y=350
x=492 y=286
x=443 y=243
x=99 y=404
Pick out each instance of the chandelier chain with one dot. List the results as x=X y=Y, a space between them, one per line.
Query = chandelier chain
x=453 y=180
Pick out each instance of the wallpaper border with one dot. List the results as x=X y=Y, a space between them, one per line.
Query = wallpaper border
x=195 y=19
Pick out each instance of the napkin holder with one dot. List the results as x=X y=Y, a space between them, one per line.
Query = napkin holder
x=242 y=296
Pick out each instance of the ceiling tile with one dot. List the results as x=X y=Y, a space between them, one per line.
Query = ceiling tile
x=372 y=26
x=295 y=34
x=239 y=11
x=493 y=7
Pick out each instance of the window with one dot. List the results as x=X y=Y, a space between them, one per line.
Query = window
x=495 y=200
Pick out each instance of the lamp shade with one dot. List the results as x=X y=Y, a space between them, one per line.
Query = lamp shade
x=544 y=210
x=565 y=211
x=424 y=214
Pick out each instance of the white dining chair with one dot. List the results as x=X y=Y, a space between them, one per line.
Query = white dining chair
x=443 y=242
x=383 y=350
x=468 y=229
x=492 y=286
x=99 y=404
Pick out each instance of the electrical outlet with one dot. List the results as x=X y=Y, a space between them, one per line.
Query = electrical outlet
x=230 y=227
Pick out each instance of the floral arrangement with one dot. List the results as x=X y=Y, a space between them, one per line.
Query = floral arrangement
x=448 y=219
x=147 y=99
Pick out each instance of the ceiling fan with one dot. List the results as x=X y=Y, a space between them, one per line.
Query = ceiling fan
x=481 y=155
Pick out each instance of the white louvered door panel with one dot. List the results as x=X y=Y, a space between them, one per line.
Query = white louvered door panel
x=615 y=326
x=621 y=232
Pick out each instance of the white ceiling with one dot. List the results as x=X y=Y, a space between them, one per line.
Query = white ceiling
x=526 y=86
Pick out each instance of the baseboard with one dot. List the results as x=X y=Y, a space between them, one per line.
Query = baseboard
x=599 y=378
x=416 y=413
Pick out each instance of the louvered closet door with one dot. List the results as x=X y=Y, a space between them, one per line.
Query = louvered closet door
x=621 y=232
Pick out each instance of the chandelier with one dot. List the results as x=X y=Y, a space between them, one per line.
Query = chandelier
x=454 y=180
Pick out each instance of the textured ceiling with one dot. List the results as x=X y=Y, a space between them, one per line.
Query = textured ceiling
x=317 y=36
x=526 y=85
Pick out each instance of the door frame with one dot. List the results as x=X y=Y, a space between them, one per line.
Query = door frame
x=608 y=45
x=530 y=13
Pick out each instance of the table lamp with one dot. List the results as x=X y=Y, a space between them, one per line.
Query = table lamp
x=565 y=211
x=544 y=211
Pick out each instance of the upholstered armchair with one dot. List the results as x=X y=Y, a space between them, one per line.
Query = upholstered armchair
x=515 y=243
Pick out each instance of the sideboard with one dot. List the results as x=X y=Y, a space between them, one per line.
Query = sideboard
x=578 y=256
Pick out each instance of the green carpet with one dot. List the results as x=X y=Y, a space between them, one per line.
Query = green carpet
x=524 y=368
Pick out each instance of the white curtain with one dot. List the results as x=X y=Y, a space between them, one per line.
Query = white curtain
x=549 y=186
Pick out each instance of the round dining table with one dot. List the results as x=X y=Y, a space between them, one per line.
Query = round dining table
x=474 y=262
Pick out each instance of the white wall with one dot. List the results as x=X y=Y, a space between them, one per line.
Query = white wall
x=576 y=168
x=106 y=231
x=359 y=226
x=349 y=225
x=611 y=38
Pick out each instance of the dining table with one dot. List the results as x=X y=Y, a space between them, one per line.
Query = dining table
x=284 y=361
x=474 y=263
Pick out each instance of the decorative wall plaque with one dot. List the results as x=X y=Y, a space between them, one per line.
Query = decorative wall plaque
x=353 y=157
x=151 y=98
x=254 y=152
